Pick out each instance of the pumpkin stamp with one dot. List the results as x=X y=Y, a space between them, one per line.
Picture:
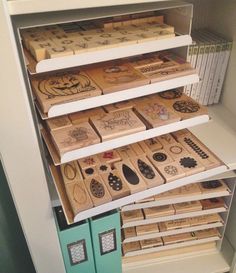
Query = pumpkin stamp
x=63 y=87
x=97 y=190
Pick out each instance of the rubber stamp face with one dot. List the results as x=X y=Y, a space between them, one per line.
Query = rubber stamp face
x=130 y=175
x=171 y=94
x=171 y=170
x=115 y=182
x=211 y=184
x=69 y=171
x=159 y=157
x=146 y=169
x=97 y=189
x=195 y=148
x=89 y=171
x=65 y=85
x=176 y=149
x=76 y=135
x=156 y=111
x=186 y=106
x=79 y=194
x=188 y=162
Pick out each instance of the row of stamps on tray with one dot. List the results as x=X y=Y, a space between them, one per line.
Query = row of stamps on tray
x=168 y=240
x=104 y=78
x=49 y=42
x=114 y=174
x=86 y=128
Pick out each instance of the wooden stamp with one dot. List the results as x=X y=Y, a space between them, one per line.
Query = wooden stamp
x=109 y=157
x=112 y=77
x=137 y=149
x=89 y=161
x=190 y=164
x=58 y=51
x=194 y=146
x=144 y=147
x=207 y=233
x=205 y=219
x=156 y=114
x=38 y=48
x=89 y=172
x=213 y=186
x=178 y=238
x=171 y=171
x=147 y=229
x=213 y=203
x=78 y=196
x=154 y=212
x=174 y=224
x=97 y=190
x=176 y=150
x=123 y=105
x=166 y=139
x=153 y=144
x=144 y=60
x=103 y=168
x=187 y=207
x=129 y=232
x=149 y=243
x=159 y=158
x=181 y=133
x=78 y=117
x=74 y=137
x=70 y=172
x=63 y=87
x=117 y=124
x=130 y=176
x=132 y=215
x=126 y=152
x=148 y=173
x=115 y=185
x=130 y=247
x=58 y=123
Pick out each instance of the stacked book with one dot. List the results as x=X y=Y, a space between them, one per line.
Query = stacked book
x=209 y=54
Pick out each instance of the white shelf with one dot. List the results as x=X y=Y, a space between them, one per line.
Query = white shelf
x=172 y=232
x=121 y=141
x=176 y=200
x=75 y=106
x=107 y=54
x=174 y=217
x=172 y=246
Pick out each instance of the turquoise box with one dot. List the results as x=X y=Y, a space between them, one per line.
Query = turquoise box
x=106 y=238
x=76 y=245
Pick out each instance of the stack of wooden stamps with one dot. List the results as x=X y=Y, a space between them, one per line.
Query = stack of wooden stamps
x=147 y=222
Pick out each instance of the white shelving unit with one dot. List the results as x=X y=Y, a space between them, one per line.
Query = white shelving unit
x=19 y=145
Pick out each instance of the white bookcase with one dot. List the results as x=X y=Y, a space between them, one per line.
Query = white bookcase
x=20 y=140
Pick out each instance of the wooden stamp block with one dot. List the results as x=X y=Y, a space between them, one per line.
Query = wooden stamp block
x=150 y=69
x=89 y=161
x=171 y=171
x=156 y=114
x=205 y=219
x=115 y=185
x=159 y=158
x=129 y=232
x=187 y=207
x=103 y=168
x=213 y=203
x=144 y=147
x=130 y=247
x=174 y=224
x=144 y=60
x=63 y=87
x=58 y=51
x=154 y=212
x=58 y=123
x=178 y=238
x=194 y=146
x=148 y=173
x=109 y=157
x=123 y=105
x=149 y=243
x=117 y=124
x=74 y=137
x=147 y=229
x=181 y=133
x=207 y=233
x=213 y=186
x=190 y=164
x=130 y=176
x=126 y=152
x=166 y=139
x=132 y=215
x=176 y=150
x=78 y=196
x=112 y=77
x=39 y=49
x=71 y=172
x=89 y=172
x=153 y=144
x=97 y=190
x=82 y=116
x=137 y=149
